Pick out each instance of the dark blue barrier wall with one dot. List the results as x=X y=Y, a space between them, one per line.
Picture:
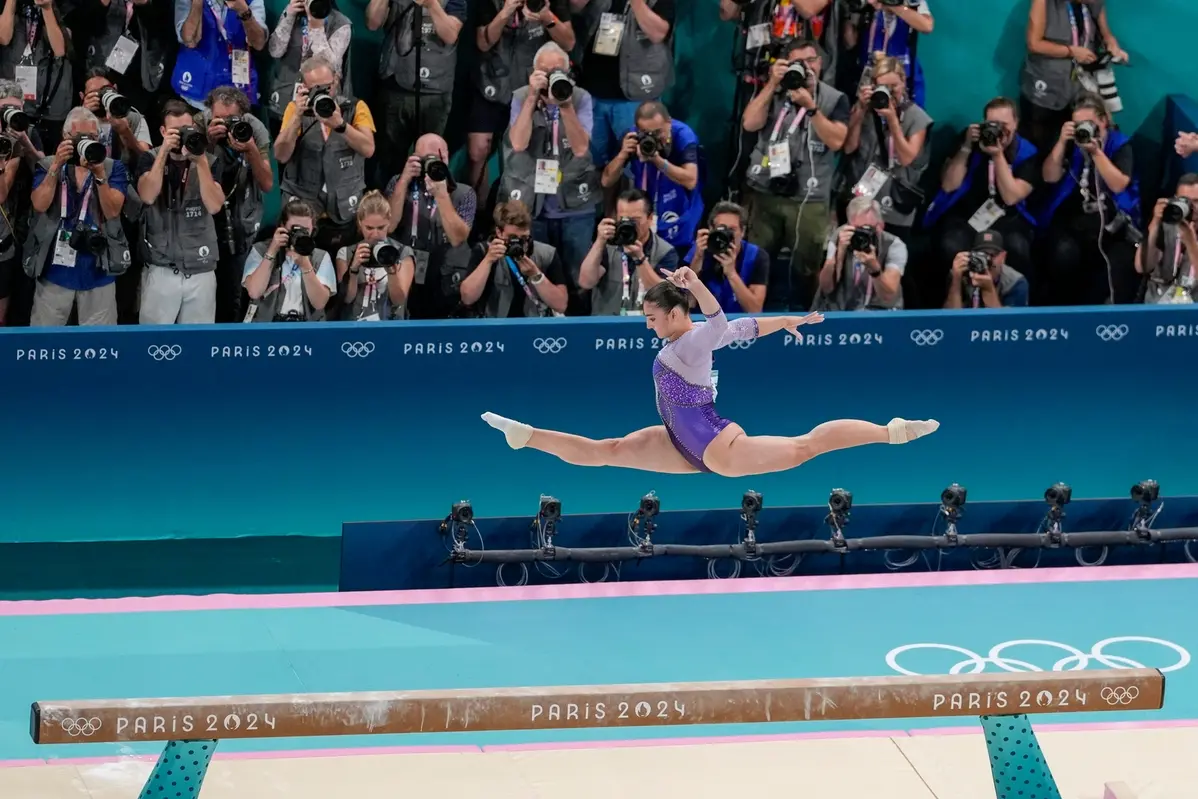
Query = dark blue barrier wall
x=138 y=433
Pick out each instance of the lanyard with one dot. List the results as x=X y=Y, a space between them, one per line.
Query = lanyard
x=32 y=29
x=626 y=297
x=1085 y=182
x=432 y=208
x=128 y=14
x=889 y=146
x=555 y=117
x=217 y=10
x=85 y=192
x=1177 y=277
x=992 y=184
x=799 y=117
x=1087 y=26
x=528 y=290
x=304 y=48
x=859 y=272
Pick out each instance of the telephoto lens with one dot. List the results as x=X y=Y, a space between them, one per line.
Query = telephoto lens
x=89 y=151
x=239 y=129
x=648 y=144
x=319 y=9
x=516 y=248
x=435 y=169
x=561 y=88
x=864 y=238
x=626 y=233
x=795 y=77
x=879 y=99
x=1085 y=132
x=720 y=240
x=384 y=253
x=116 y=105
x=300 y=240
x=14 y=119
x=1177 y=210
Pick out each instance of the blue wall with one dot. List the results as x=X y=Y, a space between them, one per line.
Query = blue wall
x=234 y=431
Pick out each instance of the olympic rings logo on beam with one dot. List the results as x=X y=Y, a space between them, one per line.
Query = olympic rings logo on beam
x=1075 y=660
x=927 y=338
x=81 y=727
x=358 y=349
x=549 y=346
x=1111 y=332
x=1119 y=695
x=164 y=352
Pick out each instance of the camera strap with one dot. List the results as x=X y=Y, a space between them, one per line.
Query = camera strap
x=1081 y=34
x=528 y=290
x=218 y=16
x=860 y=274
x=417 y=193
x=798 y=120
x=63 y=198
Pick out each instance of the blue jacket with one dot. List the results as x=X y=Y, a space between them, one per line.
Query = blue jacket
x=1127 y=201
x=209 y=64
x=719 y=286
x=899 y=47
x=1024 y=150
x=679 y=212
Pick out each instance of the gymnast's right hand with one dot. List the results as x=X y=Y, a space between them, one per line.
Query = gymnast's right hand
x=683 y=277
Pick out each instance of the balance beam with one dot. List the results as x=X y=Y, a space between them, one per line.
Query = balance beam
x=195 y=724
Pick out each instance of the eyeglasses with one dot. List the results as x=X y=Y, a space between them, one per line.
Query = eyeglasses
x=812 y=60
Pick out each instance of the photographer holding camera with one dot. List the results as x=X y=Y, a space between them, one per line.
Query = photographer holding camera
x=123 y=129
x=180 y=248
x=512 y=275
x=217 y=37
x=322 y=151
x=802 y=123
x=76 y=245
x=1088 y=218
x=240 y=146
x=980 y=277
x=865 y=265
x=627 y=258
x=375 y=275
x=887 y=145
x=891 y=28
x=1169 y=253
x=34 y=51
x=769 y=24
x=306 y=28
x=289 y=278
x=20 y=152
x=433 y=214
x=661 y=158
x=985 y=186
x=736 y=271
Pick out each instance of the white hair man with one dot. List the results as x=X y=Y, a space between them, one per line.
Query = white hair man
x=865 y=264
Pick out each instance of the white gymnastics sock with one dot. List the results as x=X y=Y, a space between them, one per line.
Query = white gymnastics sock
x=517 y=433
x=903 y=431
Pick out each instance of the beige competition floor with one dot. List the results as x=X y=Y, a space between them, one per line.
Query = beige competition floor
x=1154 y=764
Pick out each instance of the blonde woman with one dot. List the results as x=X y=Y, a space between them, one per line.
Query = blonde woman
x=375 y=275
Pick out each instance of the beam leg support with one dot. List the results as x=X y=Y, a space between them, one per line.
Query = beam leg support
x=179 y=772
x=1016 y=760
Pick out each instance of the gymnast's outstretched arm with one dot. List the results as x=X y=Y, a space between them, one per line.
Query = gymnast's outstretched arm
x=750 y=327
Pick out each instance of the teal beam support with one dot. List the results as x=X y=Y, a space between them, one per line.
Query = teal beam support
x=1016 y=760
x=180 y=770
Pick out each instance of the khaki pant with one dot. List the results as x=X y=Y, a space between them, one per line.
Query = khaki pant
x=168 y=297
x=52 y=305
x=775 y=224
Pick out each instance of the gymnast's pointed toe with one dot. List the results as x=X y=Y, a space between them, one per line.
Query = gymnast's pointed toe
x=516 y=433
x=903 y=431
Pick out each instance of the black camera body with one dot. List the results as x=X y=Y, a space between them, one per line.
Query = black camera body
x=462 y=512
x=87 y=239
x=550 y=509
x=300 y=241
x=990 y=134
x=192 y=141
x=561 y=86
x=953 y=496
x=1146 y=492
x=720 y=240
x=1177 y=210
x=13 y=119
x=1058 y=495
x=88 y=151
x=535 y=6
x=840 y=501
x=1086 y=132
x=647 y=143
x=880 y=98
x=384 y=253
x=626 y=233
x=321 y=102
x=864 y=238
x=116 y=105
x=8 y=146
x=240 y=129
x=517 y=247
x=434 y=169
x=979 y=262
x=796 y=77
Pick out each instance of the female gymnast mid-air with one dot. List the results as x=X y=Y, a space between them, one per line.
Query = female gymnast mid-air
x=693 y=437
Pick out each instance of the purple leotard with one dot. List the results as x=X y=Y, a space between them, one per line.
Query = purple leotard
x=682 y=377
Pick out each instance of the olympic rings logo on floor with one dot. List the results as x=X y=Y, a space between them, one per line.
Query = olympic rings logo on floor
x=741 y=344
x=549 y=346
x=358 y=349
x=927 y=338
x=164 y=352
x=1119 y=695
x=1111 y=332
x=1075 y=660
x=81 y=727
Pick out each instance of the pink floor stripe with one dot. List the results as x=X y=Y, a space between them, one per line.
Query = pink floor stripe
x=334 y=599
x=284 y=754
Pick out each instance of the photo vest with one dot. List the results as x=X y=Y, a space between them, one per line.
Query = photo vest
x=1049 y=82
x=267 y=306
x=508 y=65
x=440 y=266
x=679 y=211
x=55 y=76
x=646 y=68
x=1174 y=269
x=823 y=28
x=144 y=27
x=246 y=201
x=286 y=73
x=853 y=291
x=607 y=298
x=438 y=60
x=811 y=161
x=326 y=172
x=208 y=65
x=505 y=284
x=181 y=236
x=579 y=188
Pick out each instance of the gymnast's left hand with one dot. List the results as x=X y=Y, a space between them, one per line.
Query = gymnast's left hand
x=683 y=277
x=793 y=323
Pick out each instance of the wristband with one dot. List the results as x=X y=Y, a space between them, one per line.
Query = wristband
x=537 y=278
x=341 y=128
x=353 y=270
x=245 y=16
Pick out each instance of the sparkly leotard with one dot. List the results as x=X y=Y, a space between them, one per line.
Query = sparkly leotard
x=682 y=377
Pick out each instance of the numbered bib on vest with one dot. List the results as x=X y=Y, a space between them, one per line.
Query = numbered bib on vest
x=871 y=183
x=548 y=176
x=64 y=254
x=122 y=55
x=241 y=68
x=985 y=217
x=26 y=75
x=610 y=34
x=779 y=159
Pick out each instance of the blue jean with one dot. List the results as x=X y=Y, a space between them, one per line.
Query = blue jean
x=612 y=119
x=571 y=236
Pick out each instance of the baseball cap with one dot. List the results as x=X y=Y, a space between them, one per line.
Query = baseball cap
x=989 y=241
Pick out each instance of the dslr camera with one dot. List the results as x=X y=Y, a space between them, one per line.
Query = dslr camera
x=300 y=241
x=384 y=253
x=561 y=86
x=517 y=247
x=434 y=169
x=8 y=145
x=626 y=233
x=239 y=129
x=13 y=119
x=880 y=98
x=88 y=151
x=192 y=141
x=116 y=105
x=647 y=143
x=319 y=9
x=796 y=77
x=1177 y=210
x=321 y=102
x=87 y=239
x=864 y=239
x=720 y=240
x=979 y=262
x=1086 y=132
x=990 y=134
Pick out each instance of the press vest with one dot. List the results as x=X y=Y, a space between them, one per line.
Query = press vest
x=183 y=238
x=208 y=65
x=507 y=65
x=504 y=285
x=1007 y=278
x=438 y=60
x=1127 y=200
x=872 y=151
x=646 y=68
x=1172 y=271
x=116 y=148
x=823 y=28
x=679 y=211
x=900 y=44
x=978 y=169
x=719 y=286
x=353 y=312
x=55 y=81
x=607 y=297
x=246 y=200
x=328 y=164
x=267 y=306
x=579 y=187
x=1050 y=82
x=813 y=159
x=152 y=50
x=43 y=230
x=440 y=267
x=286 y=73
x=852 y=289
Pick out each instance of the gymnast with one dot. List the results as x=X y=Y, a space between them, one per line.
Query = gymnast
x=693 y=437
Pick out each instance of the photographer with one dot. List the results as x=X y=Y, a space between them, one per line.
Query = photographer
x=374 y=275
x=16 y=184
x=629 y=59
x=769 y=24
x=432 y=214
x=661 y=158
x=887 y=145
x=240 y=146
x=892 y=28
x=217 y=38
x=76 y=245
x=306 y=28
x=547 y=158
x=35 y=51
x=865 y=265
x=801 y=123
x=412 y=104
x=322 y=151
x=1063 y=40
x=1087 y=221
x=985 y=186
x=508 y=36
x=289 y=278
x=512 y=275
x=179 y=198
x=734 y=270
x=123 y=130
x=1169 y=253
x=627 y=258
x=980 y=278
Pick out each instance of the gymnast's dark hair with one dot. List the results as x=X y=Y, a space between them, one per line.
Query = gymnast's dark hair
x=667 y=296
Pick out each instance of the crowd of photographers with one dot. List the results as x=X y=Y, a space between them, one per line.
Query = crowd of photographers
x=137 y=142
